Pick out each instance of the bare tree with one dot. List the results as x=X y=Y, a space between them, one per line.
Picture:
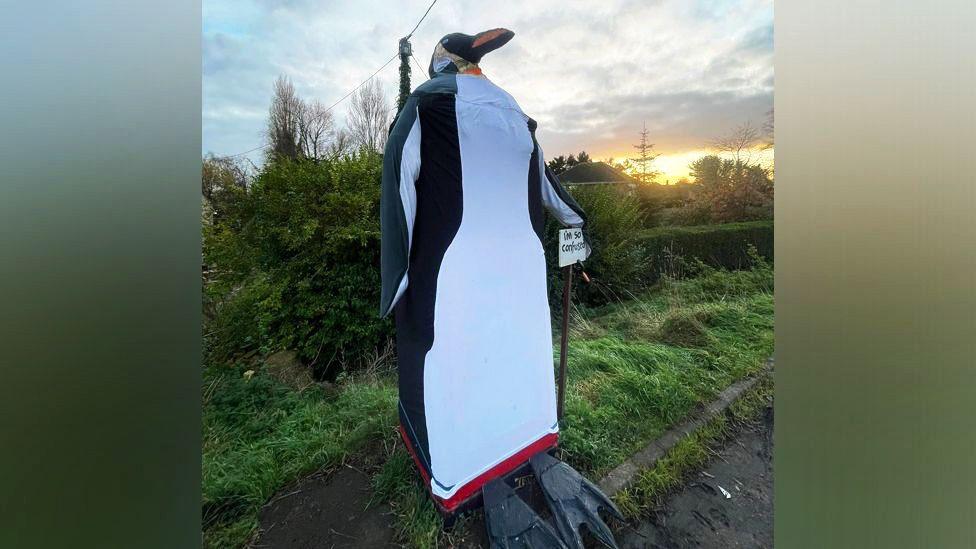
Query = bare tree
x=307 y=129
x=316 y=128
x=283 y=120
x=738 y=143
x=369 y=117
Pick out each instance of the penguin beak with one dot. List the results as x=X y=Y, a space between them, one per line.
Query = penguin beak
x=489 y=40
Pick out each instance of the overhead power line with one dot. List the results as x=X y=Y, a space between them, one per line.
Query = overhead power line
x=388 y=61
x=332 y=106
x=245 y=152
x=341 y=99
x=421 y=19
x=419 y=66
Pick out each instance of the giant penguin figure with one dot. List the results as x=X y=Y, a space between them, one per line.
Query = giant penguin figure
x=464 y=273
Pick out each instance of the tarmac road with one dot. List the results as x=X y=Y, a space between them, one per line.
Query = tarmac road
x=700 y=514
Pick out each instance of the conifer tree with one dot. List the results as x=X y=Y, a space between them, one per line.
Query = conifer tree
x=645 y=156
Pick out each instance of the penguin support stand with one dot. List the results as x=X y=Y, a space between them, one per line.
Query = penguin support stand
x=564 y=342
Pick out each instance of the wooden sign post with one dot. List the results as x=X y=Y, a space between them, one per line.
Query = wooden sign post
x=572 y=250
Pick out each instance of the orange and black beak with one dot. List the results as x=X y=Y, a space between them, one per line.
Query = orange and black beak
x=472 y=48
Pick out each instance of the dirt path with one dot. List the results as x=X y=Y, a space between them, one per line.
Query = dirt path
x=700 y=515
x=326 y=512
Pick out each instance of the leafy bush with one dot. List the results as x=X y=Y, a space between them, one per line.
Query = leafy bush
x=615 y=267
x=672 y=251
x=296 y=262
x=241 y=320
x=628 y=257
x=727 y=190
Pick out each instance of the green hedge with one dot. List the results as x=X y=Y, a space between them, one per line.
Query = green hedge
x=298 y=263
x=295 y=260
x=669 y=249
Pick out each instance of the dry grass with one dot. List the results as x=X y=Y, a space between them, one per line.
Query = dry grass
x=686 y=327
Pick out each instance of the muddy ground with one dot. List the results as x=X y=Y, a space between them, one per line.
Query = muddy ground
x=326 y=511
x=700 y=515
x=335 y=510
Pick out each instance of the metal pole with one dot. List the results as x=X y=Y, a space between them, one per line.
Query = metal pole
x=568 y=276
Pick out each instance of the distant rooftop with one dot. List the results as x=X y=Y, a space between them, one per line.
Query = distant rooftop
x=594 y=173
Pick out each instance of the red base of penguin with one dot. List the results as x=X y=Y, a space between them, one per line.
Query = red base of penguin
x=468 y=497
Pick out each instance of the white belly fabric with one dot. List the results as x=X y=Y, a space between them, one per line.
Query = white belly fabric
x=489 y=387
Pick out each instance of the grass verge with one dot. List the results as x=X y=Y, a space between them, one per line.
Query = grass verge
x=635 y=368
x=259 y=435
x=692 y=452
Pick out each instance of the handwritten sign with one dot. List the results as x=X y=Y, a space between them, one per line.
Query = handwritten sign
x=572 y=247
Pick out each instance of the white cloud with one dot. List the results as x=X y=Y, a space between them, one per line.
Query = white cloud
x=589 y=72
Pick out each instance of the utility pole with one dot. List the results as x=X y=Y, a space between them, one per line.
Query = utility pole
x=406 y=50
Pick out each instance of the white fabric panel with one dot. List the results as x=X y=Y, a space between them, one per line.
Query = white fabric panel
x=490 y=369
x=409 y=172
x=551 y=200
x=404 y=282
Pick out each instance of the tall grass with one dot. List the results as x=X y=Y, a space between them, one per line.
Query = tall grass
x=635 y=367
x=259 y=434
x=638 y=366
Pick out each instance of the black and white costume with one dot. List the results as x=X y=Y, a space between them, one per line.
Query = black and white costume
x=464 y=273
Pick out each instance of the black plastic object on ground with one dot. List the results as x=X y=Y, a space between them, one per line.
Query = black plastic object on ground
x=573 y=501
x=512 y=524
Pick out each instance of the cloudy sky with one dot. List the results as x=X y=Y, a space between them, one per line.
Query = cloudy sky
x=591 y=72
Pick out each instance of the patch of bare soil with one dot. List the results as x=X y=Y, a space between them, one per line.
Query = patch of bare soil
x=326 y=511
x=701 y=515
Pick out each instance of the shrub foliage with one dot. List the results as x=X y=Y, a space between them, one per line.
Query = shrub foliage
x=727 y=190
x=296 y=262
x=614 y=218
x=292 y=259
x=627 y=257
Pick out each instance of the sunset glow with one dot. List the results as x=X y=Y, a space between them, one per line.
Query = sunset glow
x=690 y=70
x=673 y=166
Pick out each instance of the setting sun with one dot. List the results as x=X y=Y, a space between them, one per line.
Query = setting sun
x=674 y=166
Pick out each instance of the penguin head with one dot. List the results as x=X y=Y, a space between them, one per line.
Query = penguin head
x=465 y=51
